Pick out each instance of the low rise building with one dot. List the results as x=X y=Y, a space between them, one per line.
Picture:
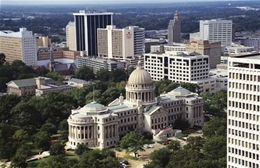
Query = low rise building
x=99 y=63
x=168 y=47
x=79 y=83
x=238 y=49
x=39 y=86
x=101 y=126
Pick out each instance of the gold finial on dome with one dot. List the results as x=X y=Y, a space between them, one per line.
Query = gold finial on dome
x=139 y=63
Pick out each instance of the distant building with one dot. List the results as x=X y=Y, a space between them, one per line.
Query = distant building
x=70 y=36
x=20 y=45
x=79 y=83
x=216 y=30
x=150 y=42
x=86 y=24
x=126 y=43
x=236 y=50
x=205 y=47
x=61 y=55
x=174 y=29
x=63 y=68
x=195 y=36
x=168 y=47
x=252 y=42
x=99 y=63
x=221 y=76
x=43 y=41
x=101 y=126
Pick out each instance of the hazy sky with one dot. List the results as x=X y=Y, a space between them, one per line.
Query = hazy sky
x=35 y=2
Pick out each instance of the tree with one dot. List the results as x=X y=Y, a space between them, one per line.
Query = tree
x=63 y=126
x=41 y=71
x=55 y=76
x=81 y=148
x=57 y=149
x=19 y=159
x=50 y=128
x=85 y=73
x=160 y=157
x=57 y=161
x=215 y=127
x=215 y=147
x=26 y=116
x=132 y=142
x=7 y=102
x=181 y=124
x=91 y=159
x=96 y=158
x=194 y=143
x=20 y=136
x=2 y=58
x=103 y=75
x=174 y=145
x=117 y=75
x=42 y=140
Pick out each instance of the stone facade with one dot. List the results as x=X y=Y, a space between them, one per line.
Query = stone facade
x=100 y=126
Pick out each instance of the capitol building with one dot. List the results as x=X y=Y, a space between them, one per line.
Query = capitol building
x=101 y=126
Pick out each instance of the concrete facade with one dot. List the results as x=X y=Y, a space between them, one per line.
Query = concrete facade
x=174 y=29
x=205 y=47
x=20 y=45
x=216 y=30
x=243 y=111
x=126 y=43
x=70 y=36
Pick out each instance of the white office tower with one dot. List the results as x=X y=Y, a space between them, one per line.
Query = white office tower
x=126 y=43
x=20 y=45
x=243 y=111
x=216 y=30
x=181 y=67
x=86 y=25
x=70 y=36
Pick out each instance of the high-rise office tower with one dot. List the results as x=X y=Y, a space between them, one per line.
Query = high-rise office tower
x=205 y=47
x=20 y=45
x=86 y=24
x=70 y=36
x=126 y=43
x=174 y=29
x=216 y=30
x=243 y=111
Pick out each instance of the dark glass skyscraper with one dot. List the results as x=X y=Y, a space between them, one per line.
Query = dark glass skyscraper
x=86 y=24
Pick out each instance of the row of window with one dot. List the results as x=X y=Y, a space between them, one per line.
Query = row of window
x=242 y=162
x=243 y=134
x=243 y=86
x=243 y=125
x=243 y=115
x=244 y=106
x=244 y=96
x=246 y=77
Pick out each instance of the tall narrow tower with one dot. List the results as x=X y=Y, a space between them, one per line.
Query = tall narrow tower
x=86 y=24
x=174 y=29
x=243 y=112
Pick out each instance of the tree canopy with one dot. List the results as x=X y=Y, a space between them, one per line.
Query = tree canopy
x=132 y=142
